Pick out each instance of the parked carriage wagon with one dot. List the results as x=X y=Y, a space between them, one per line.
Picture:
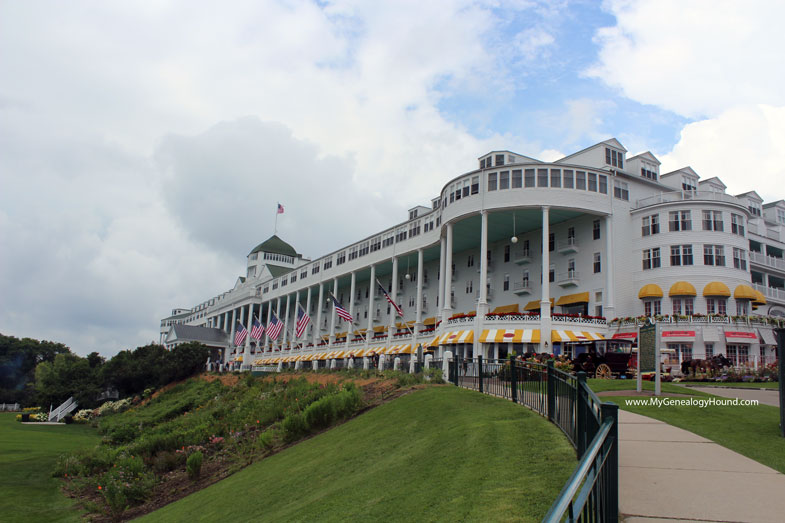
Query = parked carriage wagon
x=605 y=362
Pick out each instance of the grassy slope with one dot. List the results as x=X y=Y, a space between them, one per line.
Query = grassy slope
x=733 y=384
x=436 y=454
x=28 y=492
x=750 y=431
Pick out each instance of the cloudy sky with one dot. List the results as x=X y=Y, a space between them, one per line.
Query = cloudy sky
x=144 y=145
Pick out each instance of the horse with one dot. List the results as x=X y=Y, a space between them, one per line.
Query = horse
x=693 y=365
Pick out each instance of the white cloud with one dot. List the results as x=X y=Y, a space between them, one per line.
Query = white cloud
x=744 y=147
x=694 y=58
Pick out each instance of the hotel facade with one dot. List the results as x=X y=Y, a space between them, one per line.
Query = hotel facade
x=526 y=256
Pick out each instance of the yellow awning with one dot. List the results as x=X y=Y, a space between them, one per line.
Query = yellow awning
x=716 y=288
x=325 y=337
x=650 y=290
x=744 y=292
x=238 y=358
x=510 y=336
x=360 y=332
x=381 y=350
x=534 y=305
x=340 y=334
x=408 y=349
x=570 y=299
x=429 y=321
x=451 y=338
x=433 y=343
x=682 y=288
x=403 y=325
x=399 y=349
x=560 y=335
x=505 y=309
x=760 y=300
x=338 y=355
x=380 y=328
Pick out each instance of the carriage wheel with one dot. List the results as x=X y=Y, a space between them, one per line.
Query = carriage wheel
x=603 y=372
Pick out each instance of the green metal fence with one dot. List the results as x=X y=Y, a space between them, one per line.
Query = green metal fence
x=591 y=494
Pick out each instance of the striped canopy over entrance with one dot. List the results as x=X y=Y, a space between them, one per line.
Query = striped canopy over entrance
x=510 y=336
x=573 y=336
x=452 y=338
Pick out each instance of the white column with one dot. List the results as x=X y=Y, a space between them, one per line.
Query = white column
x=278 y=314
x=332 y=315
x=317 y=329
x=482 y=303
x=269 y=317
x=371 y=305
x=394 y=296
x=308 y=312
x=609 y=307
x=545 y=299
x=442 y=273
x=294 y=317
x=285 y=324
x=350 y=330
x=248 y=325
x=418 y=308
x=242 y=320
x=447 y=303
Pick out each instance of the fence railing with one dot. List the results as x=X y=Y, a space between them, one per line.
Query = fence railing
x=591 y=494
x=9 y=407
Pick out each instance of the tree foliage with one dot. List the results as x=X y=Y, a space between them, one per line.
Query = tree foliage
x=18 y=359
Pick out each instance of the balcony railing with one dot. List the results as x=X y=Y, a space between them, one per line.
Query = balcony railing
x=677 y=196
x=568 y=279
x=770 y=292
x=702 y=319
x=568 y=245
x=521 y=287
x=768 y=261
x=522 y=256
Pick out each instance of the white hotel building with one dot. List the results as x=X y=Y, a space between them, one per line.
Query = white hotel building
x=611 y=237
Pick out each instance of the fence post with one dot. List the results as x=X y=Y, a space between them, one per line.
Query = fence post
x=580 y=415
x=551 y=391
x=479 y=370
x=456 y=370
x=611 y=410
x=513 y=377
x=781 y=359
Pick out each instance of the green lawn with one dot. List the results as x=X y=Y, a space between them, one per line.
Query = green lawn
x=598 y=385
x=740 y=385
x=441 y=453
x=28 y=492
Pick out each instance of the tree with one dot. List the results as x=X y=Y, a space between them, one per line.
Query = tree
x=68 y=375
x=18 y=360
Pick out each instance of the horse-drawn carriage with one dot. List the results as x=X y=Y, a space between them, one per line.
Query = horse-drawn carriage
x=605 y=362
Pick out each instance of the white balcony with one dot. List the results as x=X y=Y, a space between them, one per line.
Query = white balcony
x=567 y=246
x=521 y=287
x=568 y=279
x=761 y=259
x=490 y=294
x=770 y=292
x=522 y=256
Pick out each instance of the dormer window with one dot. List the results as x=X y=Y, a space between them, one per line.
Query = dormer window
x=755 y=209
x=614 y=158
x=499 y=159
x=781 y=216
x=648 y=171
x=688 y=184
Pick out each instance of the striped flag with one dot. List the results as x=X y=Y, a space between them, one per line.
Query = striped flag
x=280 y=209
x=302 y=321
x=398 y=310
x=257 y=329
x=274 y=327
x=343 y=313
x=240 y=333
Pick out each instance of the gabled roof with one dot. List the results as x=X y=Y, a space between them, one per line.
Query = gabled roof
x=240 y=281
x=612 y=142
x=277 y=270
x=778 y=203
x=512 y=153
x=752 y=195
x=645 y=156
x=684 y=170
x=206 y=335
x=275 y=245
x=714 y=181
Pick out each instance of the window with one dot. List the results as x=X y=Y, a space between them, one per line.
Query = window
x=708 y=349
x=525 y=248
x=315 y=268
x=293 y=277
x=528 y=178
x=571 y=235
x=716 y=306
x=603 y=184
x=555 y=177
x=714 y=255
x=506 y=253
x=680 y=221
x=568 y=179
x=596 y=229
x=525 y=279
x=651 y=258
x=466 y=187
x=303 y=275
x=688 y=184
x=571 y=268
x=275 y=285
x=341 y=258
x=542 y=177
x=648 y=172
x=712 y=221
x=740 y=259
x=742 y=307
x=781 y=216
x=469 y=287
x=551 y=241
x=499 y=159
x=650 y=225
x=552 y=274
x=475 y=184
x=688 y=306
x=676 y=302
x=754 y=208
x=492 y=181
x=593 y=182
x=504 y=180
x=652 y=307
x=681 y=255
x=737 y=224
x=328 y=263
x=621 y=190
x=517 y=179
x=615 y=158
x=506 y=284
x=597 y=262
x=470 y=260
x=580 y=180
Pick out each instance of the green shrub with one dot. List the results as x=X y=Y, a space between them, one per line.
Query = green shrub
x=294 y=426
x=165 y=461
x=116 y=500
x=320 y=413
x=194 y=465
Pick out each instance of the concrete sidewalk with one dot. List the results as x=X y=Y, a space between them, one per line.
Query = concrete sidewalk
x=667 y=474
x=764 y=396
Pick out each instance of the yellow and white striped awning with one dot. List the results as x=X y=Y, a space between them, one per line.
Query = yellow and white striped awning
x=510 y=336
x=400 y=349
x=452 y=338
x=568 y=336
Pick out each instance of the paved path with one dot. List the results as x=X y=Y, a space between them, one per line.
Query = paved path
x=764 y=396
x=668 y=474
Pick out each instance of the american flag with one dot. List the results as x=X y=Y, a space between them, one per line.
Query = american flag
x=280 y=209
x=274 y=327
x=343 y=313
x=302 y=321
x=257 y=329
x=398 y=310
x=239 y=334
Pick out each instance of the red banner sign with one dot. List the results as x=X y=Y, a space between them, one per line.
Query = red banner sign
x=625 y=335
x=739 y=334
x=678 y=334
